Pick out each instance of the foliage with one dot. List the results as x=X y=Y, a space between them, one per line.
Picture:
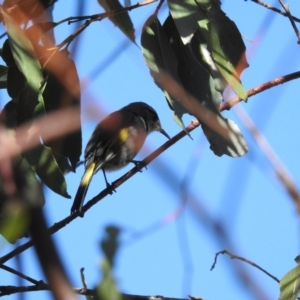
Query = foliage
x=193 y=56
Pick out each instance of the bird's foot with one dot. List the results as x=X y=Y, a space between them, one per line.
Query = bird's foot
x=109 y=186
x=139 y=165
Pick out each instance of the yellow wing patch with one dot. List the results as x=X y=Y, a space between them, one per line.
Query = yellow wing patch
x=87 y=175
x=123 y=134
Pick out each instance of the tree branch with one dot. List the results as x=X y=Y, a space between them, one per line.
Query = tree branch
x=10 y=290
x=233 y=256
x=260 y=88
x=15 y=272
x=268 y=6
x=287 y=10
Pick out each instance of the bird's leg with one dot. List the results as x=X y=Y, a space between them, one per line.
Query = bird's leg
x=139 y=165
x=108 y=185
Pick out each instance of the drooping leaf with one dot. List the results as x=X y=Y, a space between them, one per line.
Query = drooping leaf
x=160 y=58
x=191 y=23
x=8 y=115
x=16 y=82
x=192 y=19
x=14 y=204
x=168 y=57
x=108 y=288
x=290 y=284
x=7 y=55
x=199 y=83
x=186 y=15
x=24 y=55
x=223 y=63
x=30 y=104
x=230 y=39
x=62 y=91
x=28 y=64
x=42 y=161
x=3 y=70
x=3 y=77
x=121 y=20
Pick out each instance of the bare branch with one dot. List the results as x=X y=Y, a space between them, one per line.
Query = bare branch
x=15 y=272
x=92 y=18
x=233 y=256
x=9 y=290
x=282 y=12
x=287 y=10
x=256 y=90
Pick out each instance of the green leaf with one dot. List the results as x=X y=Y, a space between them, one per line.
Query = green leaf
x=3 y=70
x=223 y=63
x=231 y=40
x=7 y=55
x=30 y=104
x=8 y=115
x=16 y=82
x=219 y=57
x=121 y=20
x=24 y=55
x=44 y=164
x=3 y=77
x=14 y=207
x=168 y=58
x=58 y=94
x=186 y=15
x=108 y=288
x=159 y=57
x=290 y=284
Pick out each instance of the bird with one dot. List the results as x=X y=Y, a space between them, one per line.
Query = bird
x=114 y=143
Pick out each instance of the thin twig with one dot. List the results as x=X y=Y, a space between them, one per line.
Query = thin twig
x=101 y=16
x=9 y=290
x=13 y=271
x=232 y=256
x=161 y=2
x=282 y=12
x=287 y=10
x=256 y=90
x=88 y=20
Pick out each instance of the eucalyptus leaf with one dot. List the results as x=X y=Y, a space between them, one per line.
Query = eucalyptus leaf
x=3 y=77
x=160 y=58
x=30 y=105
x=24 y=55
x=186 y=15
x=121 y=20
x=62 y=91
x=290 y=284
x=14 y=206
x=188 y=86
x=44 y=164
x=108 y=288
x=223 y=63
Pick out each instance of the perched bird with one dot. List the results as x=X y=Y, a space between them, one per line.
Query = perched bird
x=115 y=142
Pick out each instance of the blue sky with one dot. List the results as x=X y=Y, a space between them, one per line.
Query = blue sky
x=242 y=195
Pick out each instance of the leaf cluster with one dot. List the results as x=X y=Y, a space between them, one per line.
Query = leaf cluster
x=40 y=83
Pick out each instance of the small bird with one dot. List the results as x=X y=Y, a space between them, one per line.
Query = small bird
x=115 y=142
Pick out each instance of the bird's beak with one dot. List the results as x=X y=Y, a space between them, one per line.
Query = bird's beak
x=164 y=133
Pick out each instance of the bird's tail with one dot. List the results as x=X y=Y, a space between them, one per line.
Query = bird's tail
x=83 y=187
